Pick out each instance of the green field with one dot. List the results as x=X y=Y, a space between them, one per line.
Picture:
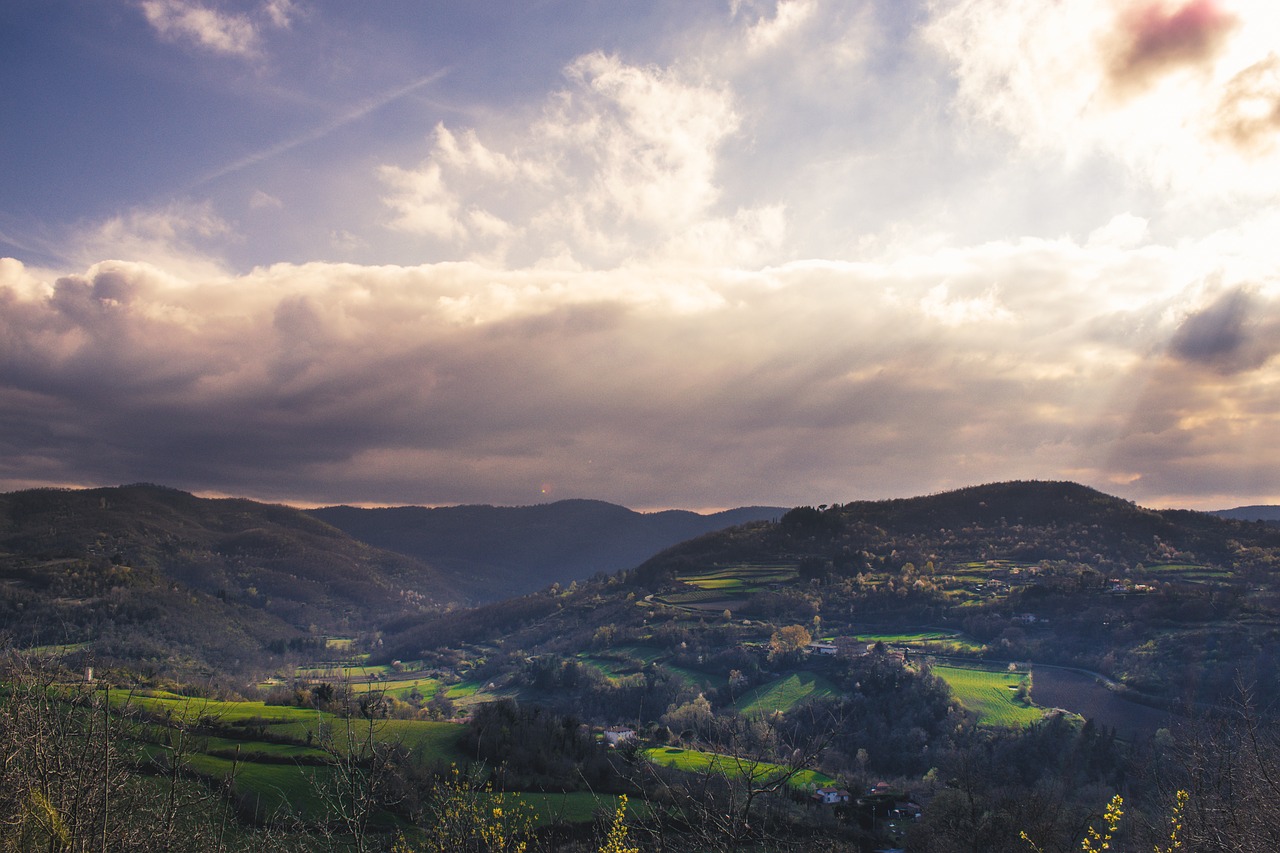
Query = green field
x=1189 y=573
x=905 y=637
x=740 y=576
x=574 y=807
x=990 y=695
x=785 y=693
x=642 y=654
x=264 y=726
x=938 y=642
x=696 y=761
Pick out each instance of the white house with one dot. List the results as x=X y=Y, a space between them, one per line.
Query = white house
x=831 y=796
x=618 y=734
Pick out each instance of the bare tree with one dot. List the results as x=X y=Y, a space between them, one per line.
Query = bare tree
x=747 y=793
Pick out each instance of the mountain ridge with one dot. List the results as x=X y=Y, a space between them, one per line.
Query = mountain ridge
x=527 y=548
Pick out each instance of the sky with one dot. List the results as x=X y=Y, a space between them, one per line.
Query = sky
x=660 y=253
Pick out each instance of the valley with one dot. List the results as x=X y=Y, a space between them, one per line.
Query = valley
x=978 y=645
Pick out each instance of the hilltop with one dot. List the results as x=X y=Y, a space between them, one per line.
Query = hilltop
x=151 y=576
x=156 y=577
x=1173 y=604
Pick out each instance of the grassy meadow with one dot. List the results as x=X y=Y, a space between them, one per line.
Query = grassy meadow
x=697 y=761
x=785 y=693
x=991 y=695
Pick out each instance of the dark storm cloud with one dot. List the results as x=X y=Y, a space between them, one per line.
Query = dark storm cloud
x=1235 y=332
x=1154 y=38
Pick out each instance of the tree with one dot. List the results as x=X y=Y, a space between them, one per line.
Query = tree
x=364 y=776
x=464 y=816
x=789 y=641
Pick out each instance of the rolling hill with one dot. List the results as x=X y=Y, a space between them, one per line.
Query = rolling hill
x=496 y=552
x=1174 y=603
x=1267 y=513
x=148 y=575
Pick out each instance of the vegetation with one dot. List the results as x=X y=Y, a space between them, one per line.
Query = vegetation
x=995 y=698
x=396 y=721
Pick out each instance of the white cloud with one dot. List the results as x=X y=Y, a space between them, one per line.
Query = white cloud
x=261 y=200
x=212 y=29
x=423 y=202
x=1180 y=92
x=789 y=17
x=171 y=237
x=279 y=12
x=621 y=164
x=185 y=20
x=1124 y=231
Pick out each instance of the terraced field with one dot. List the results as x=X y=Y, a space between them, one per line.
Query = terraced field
x=272 y=752
x=722 y=587
x=1188 y=573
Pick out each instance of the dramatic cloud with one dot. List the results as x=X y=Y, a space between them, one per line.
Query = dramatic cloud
x=1248 y=116
x=460 y=382
x=1235 y=332
x=784 y=251
x=1153 y=38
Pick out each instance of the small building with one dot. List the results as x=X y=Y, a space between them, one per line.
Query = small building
x=615 y=735
x=831 y=796
x=819 y=648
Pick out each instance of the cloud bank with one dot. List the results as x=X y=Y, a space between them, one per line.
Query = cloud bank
x=815 y=252
x=460 y=382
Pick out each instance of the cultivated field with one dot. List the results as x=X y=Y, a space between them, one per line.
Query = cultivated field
x=991 y=695
x=785 y=693
x=723 y=587
x=1085 y=695
x=696 y=761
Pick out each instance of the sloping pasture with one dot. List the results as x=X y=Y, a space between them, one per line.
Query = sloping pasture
x=697 y=761
x=785 y=693
x=990 y=695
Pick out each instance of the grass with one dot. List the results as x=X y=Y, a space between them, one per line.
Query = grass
x=399 y=688
x=576 y=807
x=785 y=693
x=906 y=637
x=643 y=654
x=693 y=677
x=939 y=642
x=696 y=761
x=990 y=695
x=279 y=789
x=434 y=740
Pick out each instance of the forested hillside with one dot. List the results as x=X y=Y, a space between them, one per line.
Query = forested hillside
x=499 y=552
x=149 y=576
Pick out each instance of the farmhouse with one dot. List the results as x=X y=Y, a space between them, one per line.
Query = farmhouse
x=618 y=734
x=830 y=796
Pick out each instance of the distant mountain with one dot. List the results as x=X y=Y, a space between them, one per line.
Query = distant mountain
x=1270 y=514
x=157 y=577
x=491 y=553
